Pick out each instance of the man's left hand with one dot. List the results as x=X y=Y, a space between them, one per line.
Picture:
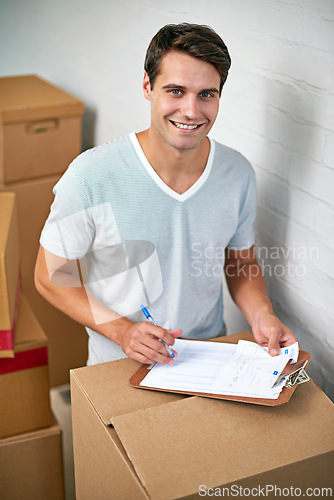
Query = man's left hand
x=269 y=331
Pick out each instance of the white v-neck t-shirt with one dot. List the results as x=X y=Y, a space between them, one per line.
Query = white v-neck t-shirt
x=140 y=242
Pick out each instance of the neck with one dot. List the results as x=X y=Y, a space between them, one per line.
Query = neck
x=179 y=169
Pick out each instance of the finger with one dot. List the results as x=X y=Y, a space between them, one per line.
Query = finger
x=288 y=338
x=176 y=333
x=146 y=354
x=164 y=349
x=287 y=342
x=167 y=336
x=137 y=356
x=170 y=352
x=147 y=336
x=152 y=348
x=142 y=358
x=273 y=343
x=157 y=356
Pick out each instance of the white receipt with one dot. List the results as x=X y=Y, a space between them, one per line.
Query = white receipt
x=245 y=369
x=252 y=371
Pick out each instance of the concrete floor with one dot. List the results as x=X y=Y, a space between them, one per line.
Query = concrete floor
x=61 y=406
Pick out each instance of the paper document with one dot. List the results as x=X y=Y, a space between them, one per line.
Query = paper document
x=243 y=369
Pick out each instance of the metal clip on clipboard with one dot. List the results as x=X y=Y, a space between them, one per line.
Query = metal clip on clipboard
x=297 y=378
x=294 y=374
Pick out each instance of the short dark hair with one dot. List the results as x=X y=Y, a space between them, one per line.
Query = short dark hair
x=196 y=40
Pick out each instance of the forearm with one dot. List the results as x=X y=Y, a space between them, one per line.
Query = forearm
x=65 y=292
x=247 y=287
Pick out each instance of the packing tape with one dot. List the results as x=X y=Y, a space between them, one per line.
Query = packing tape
x=24 y=360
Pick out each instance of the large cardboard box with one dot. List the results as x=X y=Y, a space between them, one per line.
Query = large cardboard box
x=24 y=380
x=40 y=128
x=133 y=443
x=9 y=272
x=31 y=466
x=67 y=339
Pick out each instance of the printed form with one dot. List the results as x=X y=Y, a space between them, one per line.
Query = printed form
x=243 y=369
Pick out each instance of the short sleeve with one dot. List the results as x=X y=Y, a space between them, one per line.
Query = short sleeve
x=69 y=230
x=244 y=236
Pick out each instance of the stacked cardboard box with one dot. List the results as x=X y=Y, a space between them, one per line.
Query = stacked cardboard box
x=24 y=379
x=24 y=382
x=31 y=465
x=30 y=439
x=9 y=273
x=40 y=134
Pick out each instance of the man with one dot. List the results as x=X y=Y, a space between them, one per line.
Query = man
x=155 y=217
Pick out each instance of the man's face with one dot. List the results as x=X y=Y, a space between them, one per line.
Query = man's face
x=184 y=100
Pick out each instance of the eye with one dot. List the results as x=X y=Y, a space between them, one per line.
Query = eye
x=176 y=92
x=206 y=94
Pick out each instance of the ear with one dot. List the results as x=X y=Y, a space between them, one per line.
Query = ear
x=147 y=87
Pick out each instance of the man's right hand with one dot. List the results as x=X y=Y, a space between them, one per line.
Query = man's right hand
x=140 y=341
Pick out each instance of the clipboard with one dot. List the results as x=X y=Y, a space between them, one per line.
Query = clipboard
x=292 y=380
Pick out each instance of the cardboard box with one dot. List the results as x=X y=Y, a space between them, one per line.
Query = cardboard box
x=32 y=466
x=40 y=128
x=24 y=380
x=67 y=339
x=9 y=272
x=167 y=446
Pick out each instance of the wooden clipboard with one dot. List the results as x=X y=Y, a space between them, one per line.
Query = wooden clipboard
x=283 y=398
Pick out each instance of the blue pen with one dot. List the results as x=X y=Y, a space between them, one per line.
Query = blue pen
x=151 y=320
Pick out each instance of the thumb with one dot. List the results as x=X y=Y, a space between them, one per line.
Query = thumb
x=175 y=333
x=273 y=344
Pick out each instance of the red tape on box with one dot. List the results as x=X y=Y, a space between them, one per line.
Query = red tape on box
x=7 y=336
x=33 y=358
x=6 y=340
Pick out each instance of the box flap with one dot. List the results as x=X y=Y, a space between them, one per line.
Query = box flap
x=29 y=333
x=236 y=441
x=29 y=97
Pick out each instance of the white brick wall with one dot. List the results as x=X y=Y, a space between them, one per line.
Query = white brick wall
x=277 y=109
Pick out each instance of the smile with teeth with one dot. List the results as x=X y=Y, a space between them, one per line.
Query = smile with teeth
x=187 y=127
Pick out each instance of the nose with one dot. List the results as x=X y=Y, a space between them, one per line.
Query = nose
x=190 y=106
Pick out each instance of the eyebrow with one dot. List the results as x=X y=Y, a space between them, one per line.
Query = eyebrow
x=176 y=86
